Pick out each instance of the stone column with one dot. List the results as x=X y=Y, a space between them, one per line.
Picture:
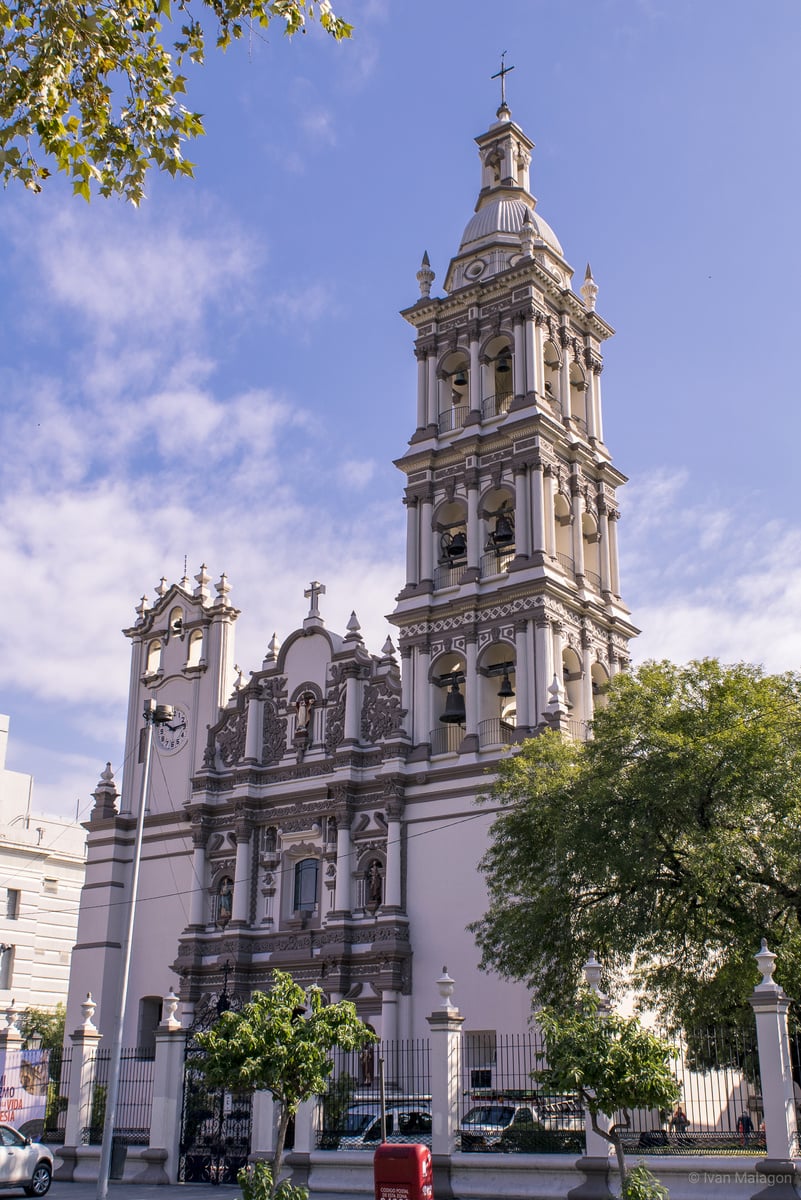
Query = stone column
x=550 y=513
x=613 y=516
x=407 y=689
x=342 y=896
x=445 y=1024
x=520 y=363
x=431 y=391
x=353 y=703
x=603 y=531
x=422 y=693
x=264 y=1125
x=522 y=678
x=770 y=1005
x=473 y=526
x=412 y=540
x=590 y=403
x=474 y=416
x=470 y=741
x=564 y=373
x=80 y=1093
x=599 y=430
x=167 y=1106
x=543 y=663
x=240 y=905
x=389 y=1026
x=197 y=899
x=532 y=360
x=578 y=533
x=253 y=734
x=392 y=874
x=426 y=541
x=444 y=397
x=522 y=517
x=558 y=647
x=422 y=374
x=537 y=488
x=586 y=678
x=299 y=1158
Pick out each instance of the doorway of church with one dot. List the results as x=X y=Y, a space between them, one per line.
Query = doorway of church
x=215 y=1126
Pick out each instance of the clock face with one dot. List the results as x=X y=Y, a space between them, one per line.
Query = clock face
x=172 y=737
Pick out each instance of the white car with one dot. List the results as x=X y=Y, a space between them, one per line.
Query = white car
x=23 y=1163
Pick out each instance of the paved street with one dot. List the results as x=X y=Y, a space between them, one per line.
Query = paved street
x=133 y=1191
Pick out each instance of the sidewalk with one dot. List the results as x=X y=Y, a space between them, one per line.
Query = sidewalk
x=133 y=1191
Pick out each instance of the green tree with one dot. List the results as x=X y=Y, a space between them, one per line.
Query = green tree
x=95 y=86
x=616 y=1066
x=281 y=1042
x=670 y=843
x=46 y=1024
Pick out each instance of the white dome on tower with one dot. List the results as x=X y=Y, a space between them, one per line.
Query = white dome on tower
x=505 y=215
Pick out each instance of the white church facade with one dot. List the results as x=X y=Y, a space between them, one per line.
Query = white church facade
x=320 y=816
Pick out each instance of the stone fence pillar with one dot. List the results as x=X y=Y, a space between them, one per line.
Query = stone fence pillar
x=770 y=1005
x=80 y=1093
x=445 y=1024
x=168 y=1088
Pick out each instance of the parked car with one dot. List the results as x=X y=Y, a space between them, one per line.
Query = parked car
x=24 y=1163
x=561 y=1113
x=484 y=1125
x=408 y=1120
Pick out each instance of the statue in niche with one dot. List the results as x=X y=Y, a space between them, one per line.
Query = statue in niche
x=303 y=711
x=225 y=901
x=375 y=885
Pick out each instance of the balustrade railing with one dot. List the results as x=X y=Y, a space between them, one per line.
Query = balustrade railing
x=566 y=561
x=495 y=732
x=593 y=578
x=448 y=576
x=495 y=406
x=495 y=563
x=446 y=739
x=453 y=418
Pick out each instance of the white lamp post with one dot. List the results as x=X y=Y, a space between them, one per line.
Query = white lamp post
x=154 y=714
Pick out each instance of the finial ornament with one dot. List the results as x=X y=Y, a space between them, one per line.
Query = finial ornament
x=353 y=627
x=169 y=1006
x=88 y=1009
x=445 y=986
x=272 y=650
x=589 y=289
x=425 y=276
x=313 y=593
x=504 y=71
x=766 y=961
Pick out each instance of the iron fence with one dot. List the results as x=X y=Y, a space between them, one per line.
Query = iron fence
x=349 y=1115
x=134 y=1098
x=58 y=1087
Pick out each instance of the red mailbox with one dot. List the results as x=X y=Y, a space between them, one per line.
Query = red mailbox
x=403 y=1171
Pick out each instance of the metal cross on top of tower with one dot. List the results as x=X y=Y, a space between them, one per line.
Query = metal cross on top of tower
x=504 y=71
x=313 y=592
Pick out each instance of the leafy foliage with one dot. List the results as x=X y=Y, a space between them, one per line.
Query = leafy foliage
x=670 y=843
x=95 y=85
x=615 y=1065
x=280 y=1042
x=256 y=1183
x=46 y=1024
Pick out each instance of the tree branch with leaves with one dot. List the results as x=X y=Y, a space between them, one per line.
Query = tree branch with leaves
x=95 y=87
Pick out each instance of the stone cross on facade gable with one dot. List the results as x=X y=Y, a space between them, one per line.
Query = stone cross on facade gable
x=313 y=592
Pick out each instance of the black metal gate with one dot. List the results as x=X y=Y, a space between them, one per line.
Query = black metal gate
x=215 y=1124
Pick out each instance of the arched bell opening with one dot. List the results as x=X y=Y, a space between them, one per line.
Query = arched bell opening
x=450 y=530
x=600 y=686
x=194 y=649
x=176 y=624
x=153 y=661
x=571 y=674
x=578 y=395
x=551 y=363
x=454 y=394
x=448 y=702
x=498 y=528
x=562 y=525
x=497 y=695
x=592 y=550
x=498 y=377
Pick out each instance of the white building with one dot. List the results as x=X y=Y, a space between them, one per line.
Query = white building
x=319 y=816
x=41 y=874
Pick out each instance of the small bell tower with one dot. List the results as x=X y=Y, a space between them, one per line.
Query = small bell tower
x=511 y=620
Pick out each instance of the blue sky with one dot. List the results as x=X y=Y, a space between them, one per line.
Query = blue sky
x=222 y=373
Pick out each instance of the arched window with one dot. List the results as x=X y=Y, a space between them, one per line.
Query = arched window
x=551 y=372
x=578 y=396
x=454 y=392
x=564 y=536
x=571 y=671
x=194 y=651
x=600 y=686
x=177 y=621
x=592 y=558
x=153 y=657
x=305 y=890
x=448 y=703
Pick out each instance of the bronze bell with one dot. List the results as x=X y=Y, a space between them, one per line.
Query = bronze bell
x=505 y=691
x=459 y=379
x=503 y=367
x=457 y=546
x=454 y=707
x=504 y=533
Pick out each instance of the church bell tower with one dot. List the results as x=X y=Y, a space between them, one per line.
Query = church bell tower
x=511 y=619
